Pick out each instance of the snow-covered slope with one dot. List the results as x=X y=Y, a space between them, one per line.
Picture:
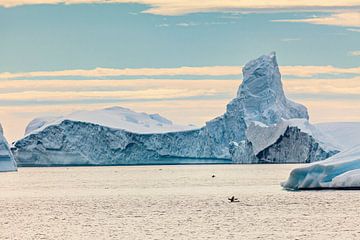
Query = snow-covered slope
x=101 y=138
x=114 y=117
x=7 y=162
x=339 y=171
x=344 y=134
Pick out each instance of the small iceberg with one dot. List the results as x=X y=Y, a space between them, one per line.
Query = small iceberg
x=341 y=171
x=7 y=162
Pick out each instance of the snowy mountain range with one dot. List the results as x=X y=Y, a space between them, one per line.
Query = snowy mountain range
x=260 y=125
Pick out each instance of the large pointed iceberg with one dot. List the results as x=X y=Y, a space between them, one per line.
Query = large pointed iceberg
x=260 y=125
x=7 y=162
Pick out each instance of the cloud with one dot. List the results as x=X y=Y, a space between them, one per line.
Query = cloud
x=355 y=53
x=68 y=96
x=344 y=19
x=197 y=100
x=308 y=71
x=19 y=86
x=33 y=92
x=193 y=24
x=340 y=86
x=107 y=72
x=302 y=71
x=181 y=7
x=163 y=25
x=185 y=24
x=353 y=29
x=290 y=39
x=141 y=88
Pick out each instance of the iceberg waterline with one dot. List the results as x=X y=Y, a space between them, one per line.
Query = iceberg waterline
x=339 y=171
x=259 y=109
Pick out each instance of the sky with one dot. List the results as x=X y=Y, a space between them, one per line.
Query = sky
x=179 y=58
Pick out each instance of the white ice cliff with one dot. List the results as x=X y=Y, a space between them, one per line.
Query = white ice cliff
x=339 y=171
x=7 y=162
x=113 y=117
x=260 y=125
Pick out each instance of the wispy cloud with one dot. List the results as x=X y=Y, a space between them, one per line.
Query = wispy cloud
x=308 y=71
x=21 y=100
x=17 y=87
x=187 y=24
x=302 y=71
x=181 y=7
x=290 y=39
x=69 y=96
x=354 y=29
x=163 y=25
x=355 y=53
x=192 y=24
x=156 y=89
x=341 y=86
x=344 y=19
x=108 y=72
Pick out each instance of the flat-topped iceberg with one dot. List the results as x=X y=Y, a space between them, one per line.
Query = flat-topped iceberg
x=260 y=125
x=339 y=171
x=7 y=162
x=113 y=117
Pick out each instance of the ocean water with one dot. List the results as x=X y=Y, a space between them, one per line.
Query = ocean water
x=170 y=202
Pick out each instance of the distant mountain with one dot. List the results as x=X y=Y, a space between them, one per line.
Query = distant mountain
x=260 y=125
x=344 y=134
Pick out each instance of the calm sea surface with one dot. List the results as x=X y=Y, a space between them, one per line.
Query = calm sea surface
x=170 y=202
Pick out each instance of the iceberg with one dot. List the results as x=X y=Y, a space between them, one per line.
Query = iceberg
x=113 y=117
x=260 y=125
x=7 y=162
x=339 y=171
x=290 y=141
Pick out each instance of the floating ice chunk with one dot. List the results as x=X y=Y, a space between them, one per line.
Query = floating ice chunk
x=340 y=171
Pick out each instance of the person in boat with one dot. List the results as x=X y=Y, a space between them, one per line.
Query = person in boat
x=233 y=199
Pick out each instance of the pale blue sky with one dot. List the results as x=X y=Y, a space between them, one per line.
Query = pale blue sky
x=58 y=37
x=318 y=51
